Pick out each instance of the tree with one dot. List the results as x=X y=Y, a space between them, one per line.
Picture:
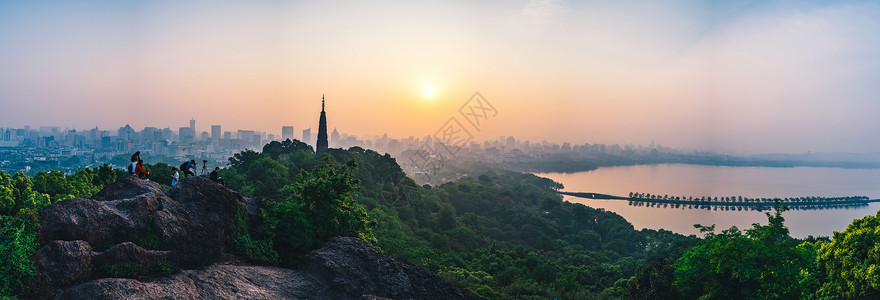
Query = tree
x=653 y=281
x=275 y=149
x=7 y=195
x=82 y=184
x=851 y=262
x=25 y=196
x=104 y=175
x=762 y=263
x=243 y=160
x=18 y=243
x=326 y=197
x=289 y=230
x=160 y=173
x=266 y=176
x=52 y=183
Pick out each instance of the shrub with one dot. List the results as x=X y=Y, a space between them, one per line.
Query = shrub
x=18 y=242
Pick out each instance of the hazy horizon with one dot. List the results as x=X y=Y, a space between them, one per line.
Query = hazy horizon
x=739 y=76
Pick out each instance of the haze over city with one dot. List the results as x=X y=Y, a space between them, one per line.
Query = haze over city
x=762 y=76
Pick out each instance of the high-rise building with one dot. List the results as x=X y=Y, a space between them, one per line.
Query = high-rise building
x=307 y=136
x=334 y=137
x=321 y=145
x=287 y=132
x=215 y=133
x=126 y=132
x=185 y=135
x=192 y=126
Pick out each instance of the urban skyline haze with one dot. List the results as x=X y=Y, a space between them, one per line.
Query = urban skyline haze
x=741 y=76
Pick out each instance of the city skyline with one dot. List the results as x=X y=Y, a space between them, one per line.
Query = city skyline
x=737 y=76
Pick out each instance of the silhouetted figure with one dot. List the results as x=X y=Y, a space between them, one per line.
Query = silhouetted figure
x=188 y=168
x=134 y=159
x=140 y=171
x=215 y=176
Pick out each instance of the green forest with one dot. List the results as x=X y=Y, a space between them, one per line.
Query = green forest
x=500 y=234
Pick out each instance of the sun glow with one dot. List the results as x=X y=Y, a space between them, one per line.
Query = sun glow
x=428 y=91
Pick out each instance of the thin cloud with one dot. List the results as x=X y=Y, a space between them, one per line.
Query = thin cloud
x=542 y=10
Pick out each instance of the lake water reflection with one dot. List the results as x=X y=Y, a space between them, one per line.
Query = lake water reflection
x=721 y=181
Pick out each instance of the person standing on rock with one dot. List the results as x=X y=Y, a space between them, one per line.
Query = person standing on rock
x=175 y=177
x=134 y=159
x=140 y=171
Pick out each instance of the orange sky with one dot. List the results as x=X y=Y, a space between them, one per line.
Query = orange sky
x=770 y=76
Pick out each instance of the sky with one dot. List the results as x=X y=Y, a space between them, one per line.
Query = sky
x=734 y=76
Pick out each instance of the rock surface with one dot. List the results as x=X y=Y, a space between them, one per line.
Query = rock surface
x=345 y=268
x=211 y=208
x=187 y=227
x=127 y=187
x=128 y=255
x=64 y=262
x=106 y=222
x=352 y=268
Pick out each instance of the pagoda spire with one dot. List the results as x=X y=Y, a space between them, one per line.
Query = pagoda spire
x=322 y=144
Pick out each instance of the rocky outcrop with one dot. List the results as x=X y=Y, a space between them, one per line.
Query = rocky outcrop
x=99 y=223
x=133 y=229
x=211 y=208
x=352 y=268
x=128 y=259
x=214 y=282
x=188 y=230
x=127 y=187
x=63 y=262
x=345 y=268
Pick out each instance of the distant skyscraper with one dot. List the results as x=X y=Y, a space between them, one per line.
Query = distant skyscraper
x=215 y=132
x=321 y=145
x=287 y=132
x=185 y=135
x=334 y=137
x=307 y=136
x=192 y=126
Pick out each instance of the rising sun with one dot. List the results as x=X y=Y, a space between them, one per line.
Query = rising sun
x=428 y=91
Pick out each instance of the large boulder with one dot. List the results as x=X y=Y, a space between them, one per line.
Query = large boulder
x=63 y=262
x=109 y=222
x=345 y=268
x=214 y=282
x=353 y=269
x=128 y=259
x=187 y=231
x=126 y=187
x=211 y=208
x=100 y=223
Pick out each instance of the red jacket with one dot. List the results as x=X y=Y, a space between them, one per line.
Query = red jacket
x=140 y=170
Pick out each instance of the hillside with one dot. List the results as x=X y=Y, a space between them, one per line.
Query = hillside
x=135 y=240
x=493 y=233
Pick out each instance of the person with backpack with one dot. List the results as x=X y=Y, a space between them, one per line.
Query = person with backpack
x=140 y=171
x=134 y=159
x=187 y=166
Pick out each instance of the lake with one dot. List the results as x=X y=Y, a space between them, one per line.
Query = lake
x=722 y=181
